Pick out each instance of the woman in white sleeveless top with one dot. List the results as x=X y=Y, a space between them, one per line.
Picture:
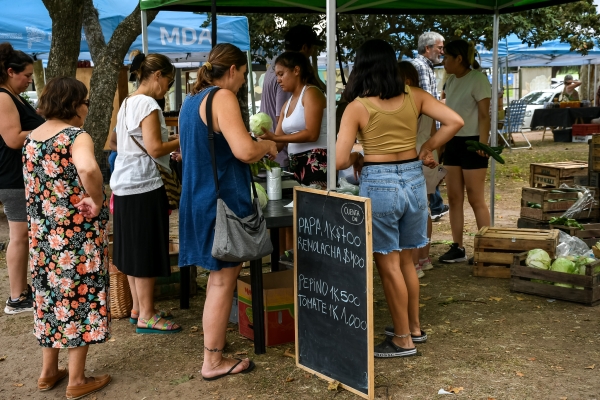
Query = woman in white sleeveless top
x=303 y=121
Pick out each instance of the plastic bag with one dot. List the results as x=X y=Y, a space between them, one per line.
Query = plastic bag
x=348 y=188
x=584 y=203
x=570 y=245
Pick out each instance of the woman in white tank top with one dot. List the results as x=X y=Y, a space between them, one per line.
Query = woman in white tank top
x=303 y=121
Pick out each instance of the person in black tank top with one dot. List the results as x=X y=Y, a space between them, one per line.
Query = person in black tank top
x=18 y=119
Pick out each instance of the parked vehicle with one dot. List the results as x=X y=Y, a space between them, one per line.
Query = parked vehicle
x=536 y=100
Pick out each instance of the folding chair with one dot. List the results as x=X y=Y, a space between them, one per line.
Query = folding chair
x=515 y=114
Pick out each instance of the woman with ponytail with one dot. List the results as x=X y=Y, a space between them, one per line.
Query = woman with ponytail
x=18 y=119
x=302 y=122
x=141 y=209
x=225 y=72
x=468 y=92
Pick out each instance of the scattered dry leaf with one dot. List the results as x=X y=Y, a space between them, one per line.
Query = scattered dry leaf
x=562 y=398
x=111 y=340
x=591 y=366
x=289 y=379
x=241 y=353
x=491 y=398
x=426 y=298
x=423 y=284
x=19 y=384
x=455 y=390
x=519 y=373
x=289 y=353
x=333 y=386
x=3 y=358
x=531 y=359
x=447 y=322
x=520 y=298
x=194 y=329
x=307 y=376
x=421 y=305
x=454 y=330
x=230 y=330
x=496 y=298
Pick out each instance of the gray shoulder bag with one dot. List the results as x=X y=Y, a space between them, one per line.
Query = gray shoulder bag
x=236 y=239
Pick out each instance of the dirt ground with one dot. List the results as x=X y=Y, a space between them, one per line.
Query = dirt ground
x=484 y=341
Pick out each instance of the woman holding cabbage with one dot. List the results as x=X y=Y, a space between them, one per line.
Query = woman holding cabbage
x=302 y=122
x=234 y=149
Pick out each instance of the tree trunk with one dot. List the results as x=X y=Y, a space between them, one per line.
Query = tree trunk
x=67 y=16
x=108 y=59
x=38 y=77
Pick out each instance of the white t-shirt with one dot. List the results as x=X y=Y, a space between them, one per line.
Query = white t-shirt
x=135 y=172
x=462 y=96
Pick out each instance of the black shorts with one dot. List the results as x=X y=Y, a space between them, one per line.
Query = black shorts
x=457 y=155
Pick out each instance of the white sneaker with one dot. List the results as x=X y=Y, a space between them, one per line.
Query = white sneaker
x=426 y=265
x=420 y=272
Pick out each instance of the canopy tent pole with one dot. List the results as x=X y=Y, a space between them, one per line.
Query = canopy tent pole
x=589 y=84
x=506 y=66
x=144 y=32
x=213 y=16
x=331 y=83
x=251 y=82
x=494 y=124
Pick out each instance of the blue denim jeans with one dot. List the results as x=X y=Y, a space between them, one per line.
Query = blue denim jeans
x=398 y=204
x=436 y=203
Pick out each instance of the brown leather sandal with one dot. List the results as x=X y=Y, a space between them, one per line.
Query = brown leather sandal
x=49 y=383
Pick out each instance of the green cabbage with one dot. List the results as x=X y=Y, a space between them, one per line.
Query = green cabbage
x=262 y=195
x=258 y=121
x=564 y=265
x=538 y=258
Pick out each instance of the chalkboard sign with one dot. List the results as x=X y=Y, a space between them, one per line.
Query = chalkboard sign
x=334 y=288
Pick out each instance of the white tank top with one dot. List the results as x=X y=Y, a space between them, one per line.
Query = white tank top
x=297 y=122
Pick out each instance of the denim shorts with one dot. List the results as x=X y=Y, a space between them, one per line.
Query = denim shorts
x=398 y=204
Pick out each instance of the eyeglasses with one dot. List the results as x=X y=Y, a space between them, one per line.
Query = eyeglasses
x=171 y=84
x=86 y=102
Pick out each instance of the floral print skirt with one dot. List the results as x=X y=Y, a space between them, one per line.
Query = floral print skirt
x=310 y=167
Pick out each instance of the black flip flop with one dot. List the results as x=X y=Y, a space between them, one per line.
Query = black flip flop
x=249 y=369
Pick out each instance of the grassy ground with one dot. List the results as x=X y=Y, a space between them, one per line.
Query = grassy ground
x=485 y=342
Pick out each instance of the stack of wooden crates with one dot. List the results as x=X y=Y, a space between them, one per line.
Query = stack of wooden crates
x=495 y=248
x=544 y=181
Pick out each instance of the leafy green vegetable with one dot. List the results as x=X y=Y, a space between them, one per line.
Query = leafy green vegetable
x=538 y=258
x=566 y=222
x=531 y=204
x=258 y=121
x=262 y=194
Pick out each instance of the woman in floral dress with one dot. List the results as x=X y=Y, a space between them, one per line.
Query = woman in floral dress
x=67 y=214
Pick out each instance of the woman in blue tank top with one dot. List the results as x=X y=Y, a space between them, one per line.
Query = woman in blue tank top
x=234 y=149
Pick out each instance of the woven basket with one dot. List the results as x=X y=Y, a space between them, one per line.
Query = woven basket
x=120 y=293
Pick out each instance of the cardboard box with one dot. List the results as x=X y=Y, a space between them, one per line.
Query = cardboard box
x=278 y=297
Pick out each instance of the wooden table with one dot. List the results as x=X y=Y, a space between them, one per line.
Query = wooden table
x=277 y=216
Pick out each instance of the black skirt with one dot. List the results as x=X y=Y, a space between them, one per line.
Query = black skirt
x=141 y=234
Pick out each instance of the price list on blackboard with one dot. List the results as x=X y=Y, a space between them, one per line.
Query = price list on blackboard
x=333 y=277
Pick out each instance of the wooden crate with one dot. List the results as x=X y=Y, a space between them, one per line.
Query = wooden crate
x=532 y=223
x=523 y=281
x=554 y=204
x=590 y=233
x=594 y=158
x=556 y=173
x=495 y=248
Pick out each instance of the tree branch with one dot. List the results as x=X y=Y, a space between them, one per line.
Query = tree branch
x=92 y=29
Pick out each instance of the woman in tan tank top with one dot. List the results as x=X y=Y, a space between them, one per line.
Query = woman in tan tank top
x=383 y=112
